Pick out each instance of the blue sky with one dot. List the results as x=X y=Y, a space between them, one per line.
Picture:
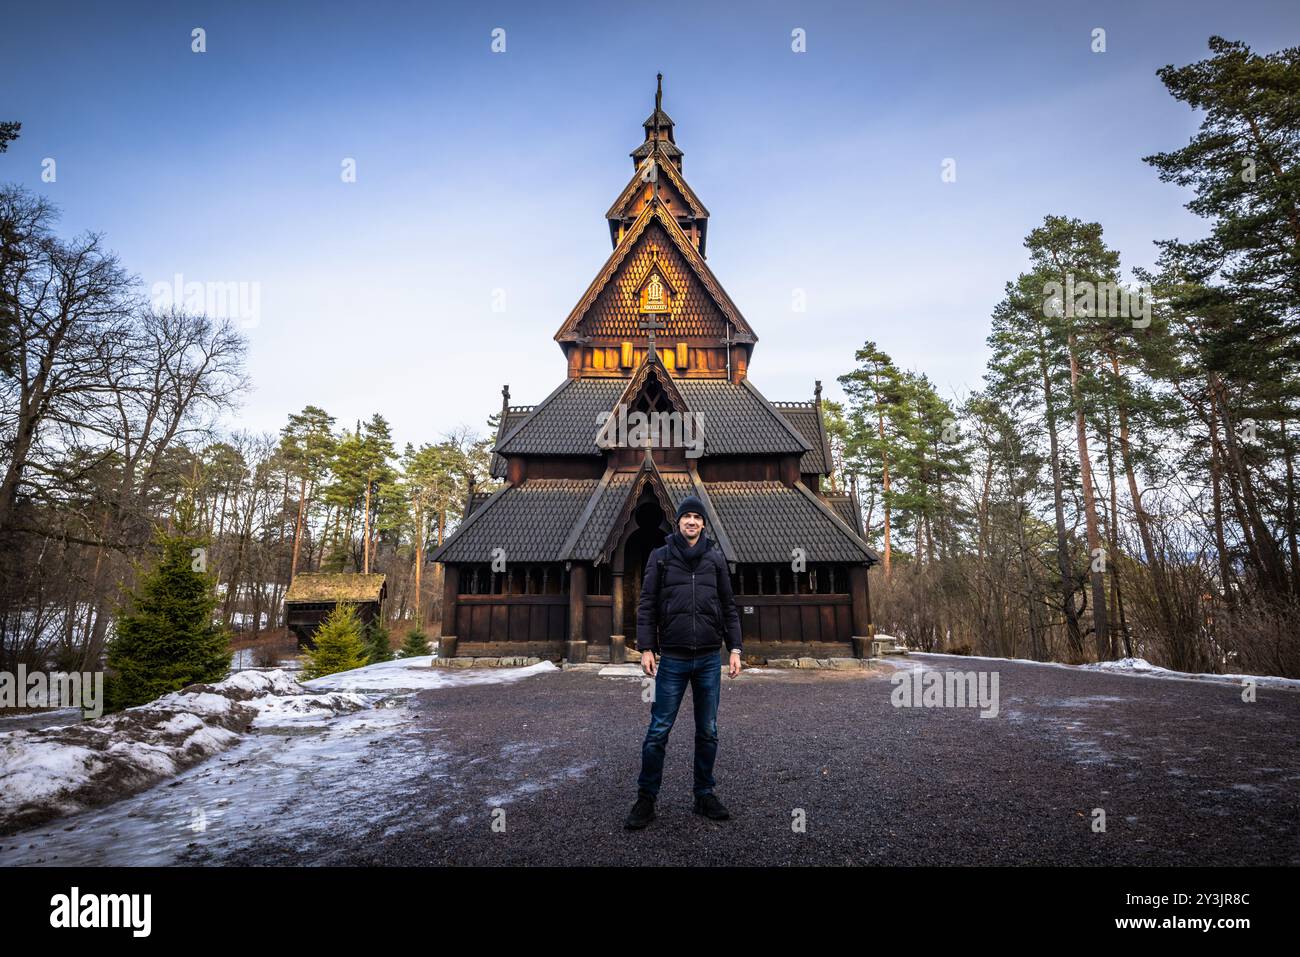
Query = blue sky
x=479 y=171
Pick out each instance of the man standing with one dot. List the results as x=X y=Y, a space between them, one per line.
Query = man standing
x=686 y=611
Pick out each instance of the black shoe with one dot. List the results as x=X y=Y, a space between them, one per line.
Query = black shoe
x=711 y=807
x=642 y=813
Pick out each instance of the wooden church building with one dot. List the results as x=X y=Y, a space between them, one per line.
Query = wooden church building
x=551 y=563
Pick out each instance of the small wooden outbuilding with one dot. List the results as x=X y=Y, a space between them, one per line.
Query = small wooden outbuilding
x=313 y=595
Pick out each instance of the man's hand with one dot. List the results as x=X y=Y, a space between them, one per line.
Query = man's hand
x=735 y=665
x=648 y=663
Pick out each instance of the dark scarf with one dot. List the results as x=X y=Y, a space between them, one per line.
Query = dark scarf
x=690 y=553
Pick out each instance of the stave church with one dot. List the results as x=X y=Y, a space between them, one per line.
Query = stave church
x=550 y=564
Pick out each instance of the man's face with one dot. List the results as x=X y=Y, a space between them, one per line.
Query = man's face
x=691 y=524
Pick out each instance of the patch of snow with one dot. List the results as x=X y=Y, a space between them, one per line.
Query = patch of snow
x=1125 y=664
x=52 y=771
x=418 y=674
x=620 y=671
x=269 y=783
x=1136 y=667
x=1140 y=666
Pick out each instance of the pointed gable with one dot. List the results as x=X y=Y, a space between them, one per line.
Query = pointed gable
x=652 y=368
x=610 y=308
x=674 y=192
x=609 y=514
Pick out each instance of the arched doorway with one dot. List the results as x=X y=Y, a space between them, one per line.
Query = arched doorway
x=649 y=531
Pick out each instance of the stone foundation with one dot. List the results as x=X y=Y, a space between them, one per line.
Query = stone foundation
x=835 y=664
x=515 y=662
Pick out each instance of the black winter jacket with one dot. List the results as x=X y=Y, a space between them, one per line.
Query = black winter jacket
x=689 y=609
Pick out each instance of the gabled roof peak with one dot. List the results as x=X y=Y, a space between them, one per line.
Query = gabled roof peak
x=655 y=212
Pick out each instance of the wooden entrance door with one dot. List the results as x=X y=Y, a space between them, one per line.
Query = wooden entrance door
x=648 y=534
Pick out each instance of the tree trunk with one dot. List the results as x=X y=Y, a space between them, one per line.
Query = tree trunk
x=1074 y=637
x=419 y=562
x=1101 y=626
x=297 y=528
x=884 y=501
x=365 y=545
x=1290 y=508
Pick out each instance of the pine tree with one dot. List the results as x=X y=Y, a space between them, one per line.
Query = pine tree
x=1068 y=255
x=340 y=645
x=877 y=420
x=306 y=445
x=1029 y=372
x=1237 y=296
x=379 y=510
x=165 y=637
x=416 y=644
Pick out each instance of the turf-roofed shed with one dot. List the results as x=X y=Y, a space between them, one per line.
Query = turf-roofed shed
x=313 y=595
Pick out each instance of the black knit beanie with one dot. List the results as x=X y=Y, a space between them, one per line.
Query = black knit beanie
x=690 y=504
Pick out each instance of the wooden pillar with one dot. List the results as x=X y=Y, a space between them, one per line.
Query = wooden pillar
x=447 y=631
x=617 y=640
x=862 y=630
x=739 y=362
x=577 y=649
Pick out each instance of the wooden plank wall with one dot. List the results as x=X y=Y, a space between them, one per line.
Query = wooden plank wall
x=785 y=621
x=512 y=618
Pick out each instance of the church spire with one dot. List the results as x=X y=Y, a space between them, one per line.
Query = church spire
x=658 y=179
x=659 y=136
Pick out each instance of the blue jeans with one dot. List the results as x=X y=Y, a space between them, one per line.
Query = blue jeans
x=704 y=675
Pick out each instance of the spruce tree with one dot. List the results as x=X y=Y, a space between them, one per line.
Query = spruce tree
x=378 y=647
x=340 y=645
x=165 y=638
x=416 y=644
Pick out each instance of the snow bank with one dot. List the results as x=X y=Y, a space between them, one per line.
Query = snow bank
x=49 y=772
x=52 y=771
x=1138 y=667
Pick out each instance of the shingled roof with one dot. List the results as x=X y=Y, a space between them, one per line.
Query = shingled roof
x=530 y=521
x=590 y=532
x=666 y=147
x=807 y=419
x=335 y=586
x=514 y=415
x=546 y=520
x=736 y=420
x=657 y=120
x=846 y=507
x=766 y=520
x=565 y=422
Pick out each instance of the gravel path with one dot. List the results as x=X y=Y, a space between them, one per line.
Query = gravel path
x=1185 y=771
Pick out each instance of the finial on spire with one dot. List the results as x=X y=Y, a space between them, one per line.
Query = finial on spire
x=659 y=97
